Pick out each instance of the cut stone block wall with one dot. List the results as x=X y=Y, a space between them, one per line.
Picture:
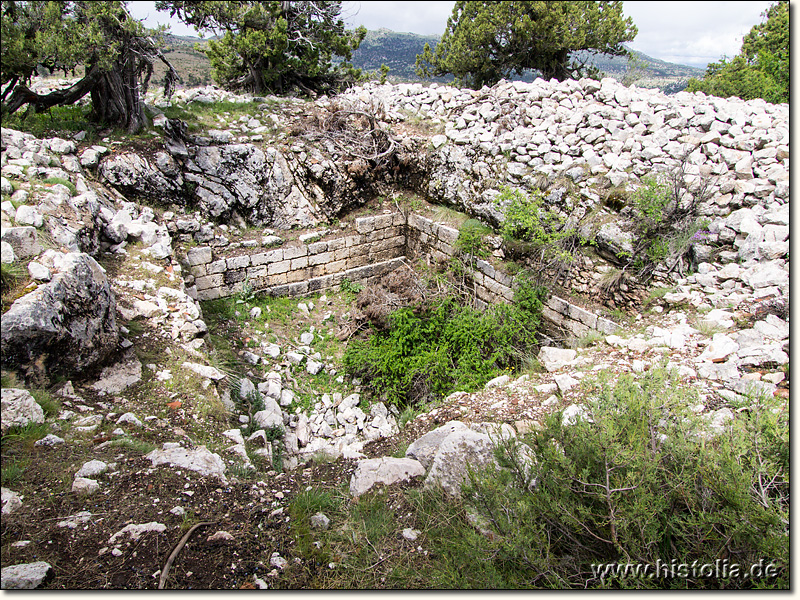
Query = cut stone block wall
x=381 y=244
x=298 y=269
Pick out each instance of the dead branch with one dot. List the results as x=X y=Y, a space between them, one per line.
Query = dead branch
x=174 y=554
x=355 y=132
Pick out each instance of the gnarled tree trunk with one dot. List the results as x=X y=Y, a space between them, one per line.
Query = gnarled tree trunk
x=116 y=97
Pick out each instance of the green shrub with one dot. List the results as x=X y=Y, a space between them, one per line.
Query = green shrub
x=665 y=222
x=470 y=239
x=641 y=481
x=530 y=228
x=431 y=351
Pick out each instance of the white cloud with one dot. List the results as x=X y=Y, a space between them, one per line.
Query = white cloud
x=146 y=11
x=424 y=18
x=693 y=33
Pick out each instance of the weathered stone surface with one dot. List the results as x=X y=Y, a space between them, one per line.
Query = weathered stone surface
x=500 y=381
x=134 y=531
x=23 y=240
x=139 y=178
x=25 y=577
x=11 y=501
x=19 y=409
x=385 y=470
x=271 y=416
x=92 y=468
x=122 y=375
x=458 y=450
x=320 y=521
x=84 y=486
x=205 y=371
x=720 y=347
x=198 y=459
x=424 y=449
x=7 y=250
x=554 y=359
x=66 y=325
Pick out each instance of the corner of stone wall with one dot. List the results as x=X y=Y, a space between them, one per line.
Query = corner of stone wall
x=381 y=244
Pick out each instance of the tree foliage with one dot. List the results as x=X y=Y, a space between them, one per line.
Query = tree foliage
x=114 y=51
x=761 y=69
x=487 y=41
x=274 y=46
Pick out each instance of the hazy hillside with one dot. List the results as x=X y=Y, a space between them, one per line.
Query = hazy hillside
x=399 y=52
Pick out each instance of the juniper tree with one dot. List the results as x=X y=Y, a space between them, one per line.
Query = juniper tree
x=274 y=46
x=487 y=41
x=113 y=51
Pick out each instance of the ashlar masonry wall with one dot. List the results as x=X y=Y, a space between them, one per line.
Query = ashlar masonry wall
x=381 y=244
x=377 y=248
x=437 y=241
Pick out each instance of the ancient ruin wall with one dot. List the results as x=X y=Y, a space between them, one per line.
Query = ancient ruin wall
x=381 y=244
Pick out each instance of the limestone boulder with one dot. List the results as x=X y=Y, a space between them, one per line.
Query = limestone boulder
x=18 y=408
x=65 y=326
x=199 y=459
x=461 y=451
x=28 y=576
x=554 y=359
x=386 y=470
x=424 y=449
x=11 y=501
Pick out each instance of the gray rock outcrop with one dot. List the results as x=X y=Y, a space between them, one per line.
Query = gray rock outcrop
x=25 y=577
x=199 y=459
x=459 y=452
x=64 y=326
x=386 y=470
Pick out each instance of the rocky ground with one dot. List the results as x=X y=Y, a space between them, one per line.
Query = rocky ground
x=228 y=414
x=96 y=504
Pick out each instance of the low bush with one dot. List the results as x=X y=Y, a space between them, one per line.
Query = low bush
x=665 y=220
x=640 y=481
x=470 y=239
x=532 y=230
x=430 y=351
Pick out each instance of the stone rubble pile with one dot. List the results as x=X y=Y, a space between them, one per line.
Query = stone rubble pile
x=724 y=328
x=587 y=130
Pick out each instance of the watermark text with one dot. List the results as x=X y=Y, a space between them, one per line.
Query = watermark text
x=719 y=569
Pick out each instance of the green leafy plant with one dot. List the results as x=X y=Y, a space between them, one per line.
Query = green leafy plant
x=350 y=288
x=665 y=220
x=431 y=351
x=531 y=229
x=470 y=240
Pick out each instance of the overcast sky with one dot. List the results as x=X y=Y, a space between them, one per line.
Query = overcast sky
x=689 y=33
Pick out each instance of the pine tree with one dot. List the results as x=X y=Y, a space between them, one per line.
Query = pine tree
x=487 y=41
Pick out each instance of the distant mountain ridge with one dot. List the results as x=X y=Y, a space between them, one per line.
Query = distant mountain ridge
x=399 y=50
